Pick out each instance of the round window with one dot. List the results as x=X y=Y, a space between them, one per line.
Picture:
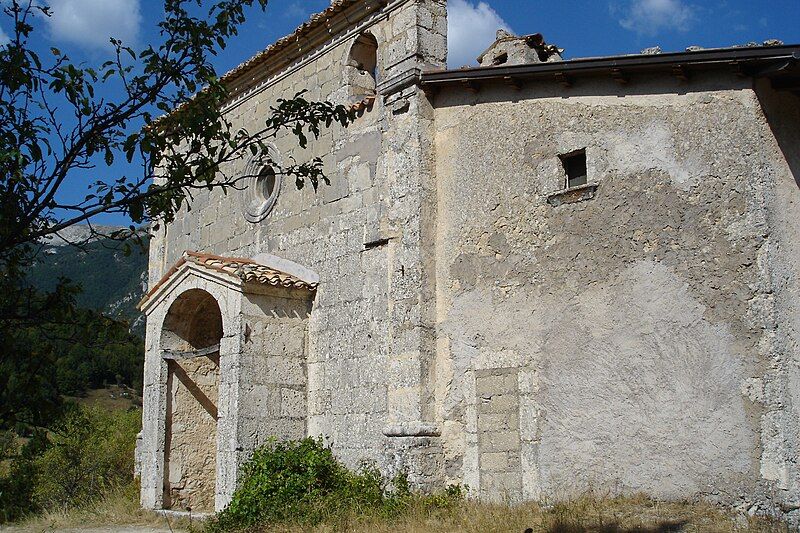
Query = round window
x=263 y=195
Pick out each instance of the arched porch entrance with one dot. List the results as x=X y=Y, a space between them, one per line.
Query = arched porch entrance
x=190 y=345
x=224 y=372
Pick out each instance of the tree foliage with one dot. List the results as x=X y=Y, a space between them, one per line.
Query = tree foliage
x=48 y=361
x=55 y=122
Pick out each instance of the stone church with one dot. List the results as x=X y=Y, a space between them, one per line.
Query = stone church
x=530 y=277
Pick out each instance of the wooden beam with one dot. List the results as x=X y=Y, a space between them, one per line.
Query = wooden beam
x=738 y=69
x=619 y=76
x=175 y=355
x=563 y=79
x=679 y=71
x=470 y=86
x=513 y=82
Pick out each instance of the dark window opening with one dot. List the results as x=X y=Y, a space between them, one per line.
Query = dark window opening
x=575 y=168
x=266 y=183
x=500 y=60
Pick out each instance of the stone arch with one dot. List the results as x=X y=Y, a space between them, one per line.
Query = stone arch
x=361 y=68
x=193 y=322
x=190 y=339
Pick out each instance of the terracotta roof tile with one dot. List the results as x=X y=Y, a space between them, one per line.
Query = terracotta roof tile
x=246 y=270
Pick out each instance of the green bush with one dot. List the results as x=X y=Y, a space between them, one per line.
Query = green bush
x=91 y=452
x=88 y=453
x=18 y=475
x=302 y=482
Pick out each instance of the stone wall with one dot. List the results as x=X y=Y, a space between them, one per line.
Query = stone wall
x=273 y=372
x=640 y=319
x=191 y=441
x=369 y=349
x=498 y=433
x=475 y=322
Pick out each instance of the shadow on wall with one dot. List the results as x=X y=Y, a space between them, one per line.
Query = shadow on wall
x=194 y=322
x=198 y=394
x=503 y=93
x=782 y=109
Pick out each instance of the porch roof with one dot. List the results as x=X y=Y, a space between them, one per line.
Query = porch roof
x=246 y=270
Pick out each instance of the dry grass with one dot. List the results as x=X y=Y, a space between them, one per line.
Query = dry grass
x=586 y=514
x=120 y=508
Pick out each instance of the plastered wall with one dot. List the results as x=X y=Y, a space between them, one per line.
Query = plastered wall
x=640 y=322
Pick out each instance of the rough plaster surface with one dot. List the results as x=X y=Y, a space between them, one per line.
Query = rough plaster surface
x=640 y=320
x=639 y=377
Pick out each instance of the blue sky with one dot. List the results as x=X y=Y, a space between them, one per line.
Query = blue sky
x=582 y=28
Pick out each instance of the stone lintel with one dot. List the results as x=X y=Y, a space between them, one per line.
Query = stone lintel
x=573 y=195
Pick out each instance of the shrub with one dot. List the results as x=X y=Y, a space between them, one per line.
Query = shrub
x=91 y=452
x=18 y=475
x=302 y=482
x=88 y=454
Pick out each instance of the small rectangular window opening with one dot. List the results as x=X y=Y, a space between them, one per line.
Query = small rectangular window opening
x=575 y=168
x=502 y=59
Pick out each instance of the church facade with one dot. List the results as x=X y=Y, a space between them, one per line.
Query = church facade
x=531 y=277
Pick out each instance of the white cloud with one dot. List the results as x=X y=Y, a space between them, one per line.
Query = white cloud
x=649 y=17
x=471 y=29
x=90 y=23
x=4 y=39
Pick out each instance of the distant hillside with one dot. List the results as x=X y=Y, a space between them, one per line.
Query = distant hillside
x=112 y=282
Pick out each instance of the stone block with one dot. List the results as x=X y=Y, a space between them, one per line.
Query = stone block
x=494 y=461
x=498 y=403
x=493 y=385
x=293 y=403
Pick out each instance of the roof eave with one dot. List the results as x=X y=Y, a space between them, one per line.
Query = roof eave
x=747 y=60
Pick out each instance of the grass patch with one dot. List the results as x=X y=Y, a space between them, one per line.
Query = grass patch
x=589 y=513
x=82 y=479
x=120 y=507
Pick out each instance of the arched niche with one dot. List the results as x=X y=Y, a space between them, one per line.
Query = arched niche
x=361 y=67
x=190 y=339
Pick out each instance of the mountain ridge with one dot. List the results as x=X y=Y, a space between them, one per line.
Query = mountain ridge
x=112 y=282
